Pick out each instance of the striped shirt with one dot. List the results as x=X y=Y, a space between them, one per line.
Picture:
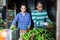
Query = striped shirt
x=39 y=18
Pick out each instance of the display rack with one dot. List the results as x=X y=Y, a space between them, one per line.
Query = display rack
x=10 y=15
x=2 y=25
x=1 y=4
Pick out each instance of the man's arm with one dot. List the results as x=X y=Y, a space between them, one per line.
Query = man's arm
x=47 y=18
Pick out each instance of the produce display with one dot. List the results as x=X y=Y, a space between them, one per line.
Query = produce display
x=9 y=24
x=13 y=28
x=51 y=24
x=1 y=5
x=11 y=15
x=39 y=34
x=1 y=22
x=2 y=25
x=35 y=34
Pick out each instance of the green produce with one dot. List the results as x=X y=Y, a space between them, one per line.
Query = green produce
x=1 y=22
x=11 y=15
x=39 y=34
x=13 y=28
x=1 y=29
x=51 y=24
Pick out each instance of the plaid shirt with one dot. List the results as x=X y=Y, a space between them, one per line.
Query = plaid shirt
x=23 y=21
x=39 y=18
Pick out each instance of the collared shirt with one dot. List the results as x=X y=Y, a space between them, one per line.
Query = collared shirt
x=39 y=18
x=23 y=20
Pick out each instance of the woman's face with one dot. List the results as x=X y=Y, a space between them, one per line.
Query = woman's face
x=39 y=7
x=23 y=8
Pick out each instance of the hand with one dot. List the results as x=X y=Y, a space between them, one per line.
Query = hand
x=11 y=26
x=47 y=26
x=46 y=23
x=28 y=29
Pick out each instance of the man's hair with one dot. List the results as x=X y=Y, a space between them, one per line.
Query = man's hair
x=39 y=3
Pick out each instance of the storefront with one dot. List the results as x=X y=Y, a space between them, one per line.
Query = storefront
x=49 y=5
x=52 y=7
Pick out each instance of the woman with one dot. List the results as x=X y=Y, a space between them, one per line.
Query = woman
x=23 y=19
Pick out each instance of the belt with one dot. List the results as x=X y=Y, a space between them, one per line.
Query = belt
x=23 y=31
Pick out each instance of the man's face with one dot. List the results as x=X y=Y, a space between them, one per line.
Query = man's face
x=39 y=7
x=23 y=8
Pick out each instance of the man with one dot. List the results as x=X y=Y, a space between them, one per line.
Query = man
x=40 y=16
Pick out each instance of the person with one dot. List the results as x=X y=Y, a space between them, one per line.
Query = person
x=24 y=20
x=40 y=16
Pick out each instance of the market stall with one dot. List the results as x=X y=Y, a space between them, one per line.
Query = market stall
x=47 y=33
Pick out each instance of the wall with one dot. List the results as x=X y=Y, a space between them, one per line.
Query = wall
x=58 y=21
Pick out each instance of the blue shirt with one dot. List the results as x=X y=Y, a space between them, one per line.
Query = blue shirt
x=23 y=21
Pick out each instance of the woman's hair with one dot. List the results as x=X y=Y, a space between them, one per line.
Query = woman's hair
x=39 y=3
x=23 y=4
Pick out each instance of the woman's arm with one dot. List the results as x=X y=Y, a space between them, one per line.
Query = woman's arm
x=14 y=21
x=29 y=23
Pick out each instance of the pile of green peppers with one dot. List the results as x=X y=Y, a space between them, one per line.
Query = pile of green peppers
x=39 y=34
